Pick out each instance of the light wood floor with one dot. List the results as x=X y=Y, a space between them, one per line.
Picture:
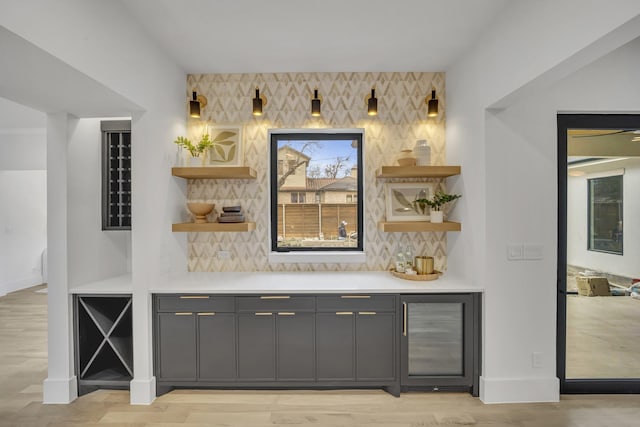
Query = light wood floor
x=23 y=368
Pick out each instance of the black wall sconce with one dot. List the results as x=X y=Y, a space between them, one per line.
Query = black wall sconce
x=196 y=104
x=372 y=103
x=258 y=102
x=315 y=104
x=432 y=104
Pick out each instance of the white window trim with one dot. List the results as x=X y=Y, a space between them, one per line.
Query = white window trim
x=320 y=257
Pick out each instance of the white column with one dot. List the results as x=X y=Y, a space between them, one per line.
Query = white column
x=60 y=385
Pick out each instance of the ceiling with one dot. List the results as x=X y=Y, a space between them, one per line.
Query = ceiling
x=249 y=36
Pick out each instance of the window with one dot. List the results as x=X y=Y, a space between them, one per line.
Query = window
x=327 y=165
x=605 y=214
x=116 y=174
x=298 y=197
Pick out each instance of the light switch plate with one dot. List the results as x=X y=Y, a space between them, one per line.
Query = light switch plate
x=514 y=252
x=533 y=252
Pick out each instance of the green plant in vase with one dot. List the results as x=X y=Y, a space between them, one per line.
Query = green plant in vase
x=436 y=203
x=195 y=149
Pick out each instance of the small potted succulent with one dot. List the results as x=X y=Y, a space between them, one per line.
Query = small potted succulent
x=435 y=203
x=196 y=150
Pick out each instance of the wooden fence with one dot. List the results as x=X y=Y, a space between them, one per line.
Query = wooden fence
x=310 y=219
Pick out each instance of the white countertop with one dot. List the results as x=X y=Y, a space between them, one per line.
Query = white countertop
x=284 y=282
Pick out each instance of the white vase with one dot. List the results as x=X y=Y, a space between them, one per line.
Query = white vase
x=422 y=152
x=195 y=161
x=436 y=216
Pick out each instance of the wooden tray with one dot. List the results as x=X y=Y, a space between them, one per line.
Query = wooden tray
x=416 y=277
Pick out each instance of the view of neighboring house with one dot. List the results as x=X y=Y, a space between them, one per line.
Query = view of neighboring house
x=313 y=207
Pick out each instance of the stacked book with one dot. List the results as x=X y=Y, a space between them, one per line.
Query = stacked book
x=231 y=214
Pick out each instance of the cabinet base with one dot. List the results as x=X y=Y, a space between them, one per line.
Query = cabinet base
x=161 y=389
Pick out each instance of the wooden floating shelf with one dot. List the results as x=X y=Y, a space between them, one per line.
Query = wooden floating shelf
x=409 y=226
x=213 y=172
x=417 y=171
x=213 y=226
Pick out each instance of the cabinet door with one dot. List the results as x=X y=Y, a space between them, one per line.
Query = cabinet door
x=375 y=349
x=335 y=341
x=216 y=346
x=177 y=346
x=256 y=347
x=296 y=346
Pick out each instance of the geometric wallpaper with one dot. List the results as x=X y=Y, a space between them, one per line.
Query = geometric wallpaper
x=401 y=120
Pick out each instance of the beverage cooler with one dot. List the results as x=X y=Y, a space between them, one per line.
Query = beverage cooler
x=440 y=343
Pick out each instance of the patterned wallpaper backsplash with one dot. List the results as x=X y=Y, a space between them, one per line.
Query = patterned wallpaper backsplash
x=402 y=119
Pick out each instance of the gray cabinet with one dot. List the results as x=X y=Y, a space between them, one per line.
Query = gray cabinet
x=216 y=346
x=177 y=346
x=375 y=349
x=440 y=342
x=195 y=340
x=335 y=337
x=295 y=344
x=256 y=346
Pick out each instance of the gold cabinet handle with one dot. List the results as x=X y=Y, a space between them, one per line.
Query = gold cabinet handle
x=344 y=313
x=286 y=313
x=207 y=314
x=355 y=296
x=263 y=314
x=184 y=313
x=275 y=297
x=194 y=296
x=404 y=319
x=371 y=313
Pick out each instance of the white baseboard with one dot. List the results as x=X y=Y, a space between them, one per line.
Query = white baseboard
x=59 y=390
x=16 y=285
x=143 y=392
x=519 y=390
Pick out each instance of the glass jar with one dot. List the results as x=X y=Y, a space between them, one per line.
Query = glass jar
x=422 y=152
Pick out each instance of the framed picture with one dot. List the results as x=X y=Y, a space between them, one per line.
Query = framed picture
x=227 y=146
x=399 y=198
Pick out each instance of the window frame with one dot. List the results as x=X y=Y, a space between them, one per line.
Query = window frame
x=590 y=207
x=314 y=254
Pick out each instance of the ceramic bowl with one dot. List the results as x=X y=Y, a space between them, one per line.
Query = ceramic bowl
x=407 y=161
x=200 y=211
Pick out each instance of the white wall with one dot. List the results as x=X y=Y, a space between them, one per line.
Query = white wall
x=93 y=254
x=577 y=226
x=509 y=167
x=23 y=228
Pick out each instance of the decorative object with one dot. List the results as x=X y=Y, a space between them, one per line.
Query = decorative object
x=416 y=277
x=422 y=151
x=401 y=198
x=406 y=158
x=226 y=144
x=200 y=211
x=435 y=203
x=258 y=102
x=432 y=104
x=372 y=103
x=315 y=104
x=196 y=104
x=231 y=214
x=424 y=264
x=195 y=150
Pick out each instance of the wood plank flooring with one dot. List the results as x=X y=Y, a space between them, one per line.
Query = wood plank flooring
x=23 y=368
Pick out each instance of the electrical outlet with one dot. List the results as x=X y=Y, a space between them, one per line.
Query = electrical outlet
x=536 y=359
x=224 y=255
x=533 y=251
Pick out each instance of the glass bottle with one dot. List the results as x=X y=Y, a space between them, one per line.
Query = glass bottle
x=408 y=255
x=400 y=261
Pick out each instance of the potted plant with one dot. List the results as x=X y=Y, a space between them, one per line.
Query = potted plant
x=196 y=150
x=435 y=203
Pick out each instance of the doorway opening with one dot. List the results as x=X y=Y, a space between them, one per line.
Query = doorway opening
x=598 y=252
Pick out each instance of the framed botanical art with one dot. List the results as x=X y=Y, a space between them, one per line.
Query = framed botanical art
x=399 y=197
x=227 y=146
